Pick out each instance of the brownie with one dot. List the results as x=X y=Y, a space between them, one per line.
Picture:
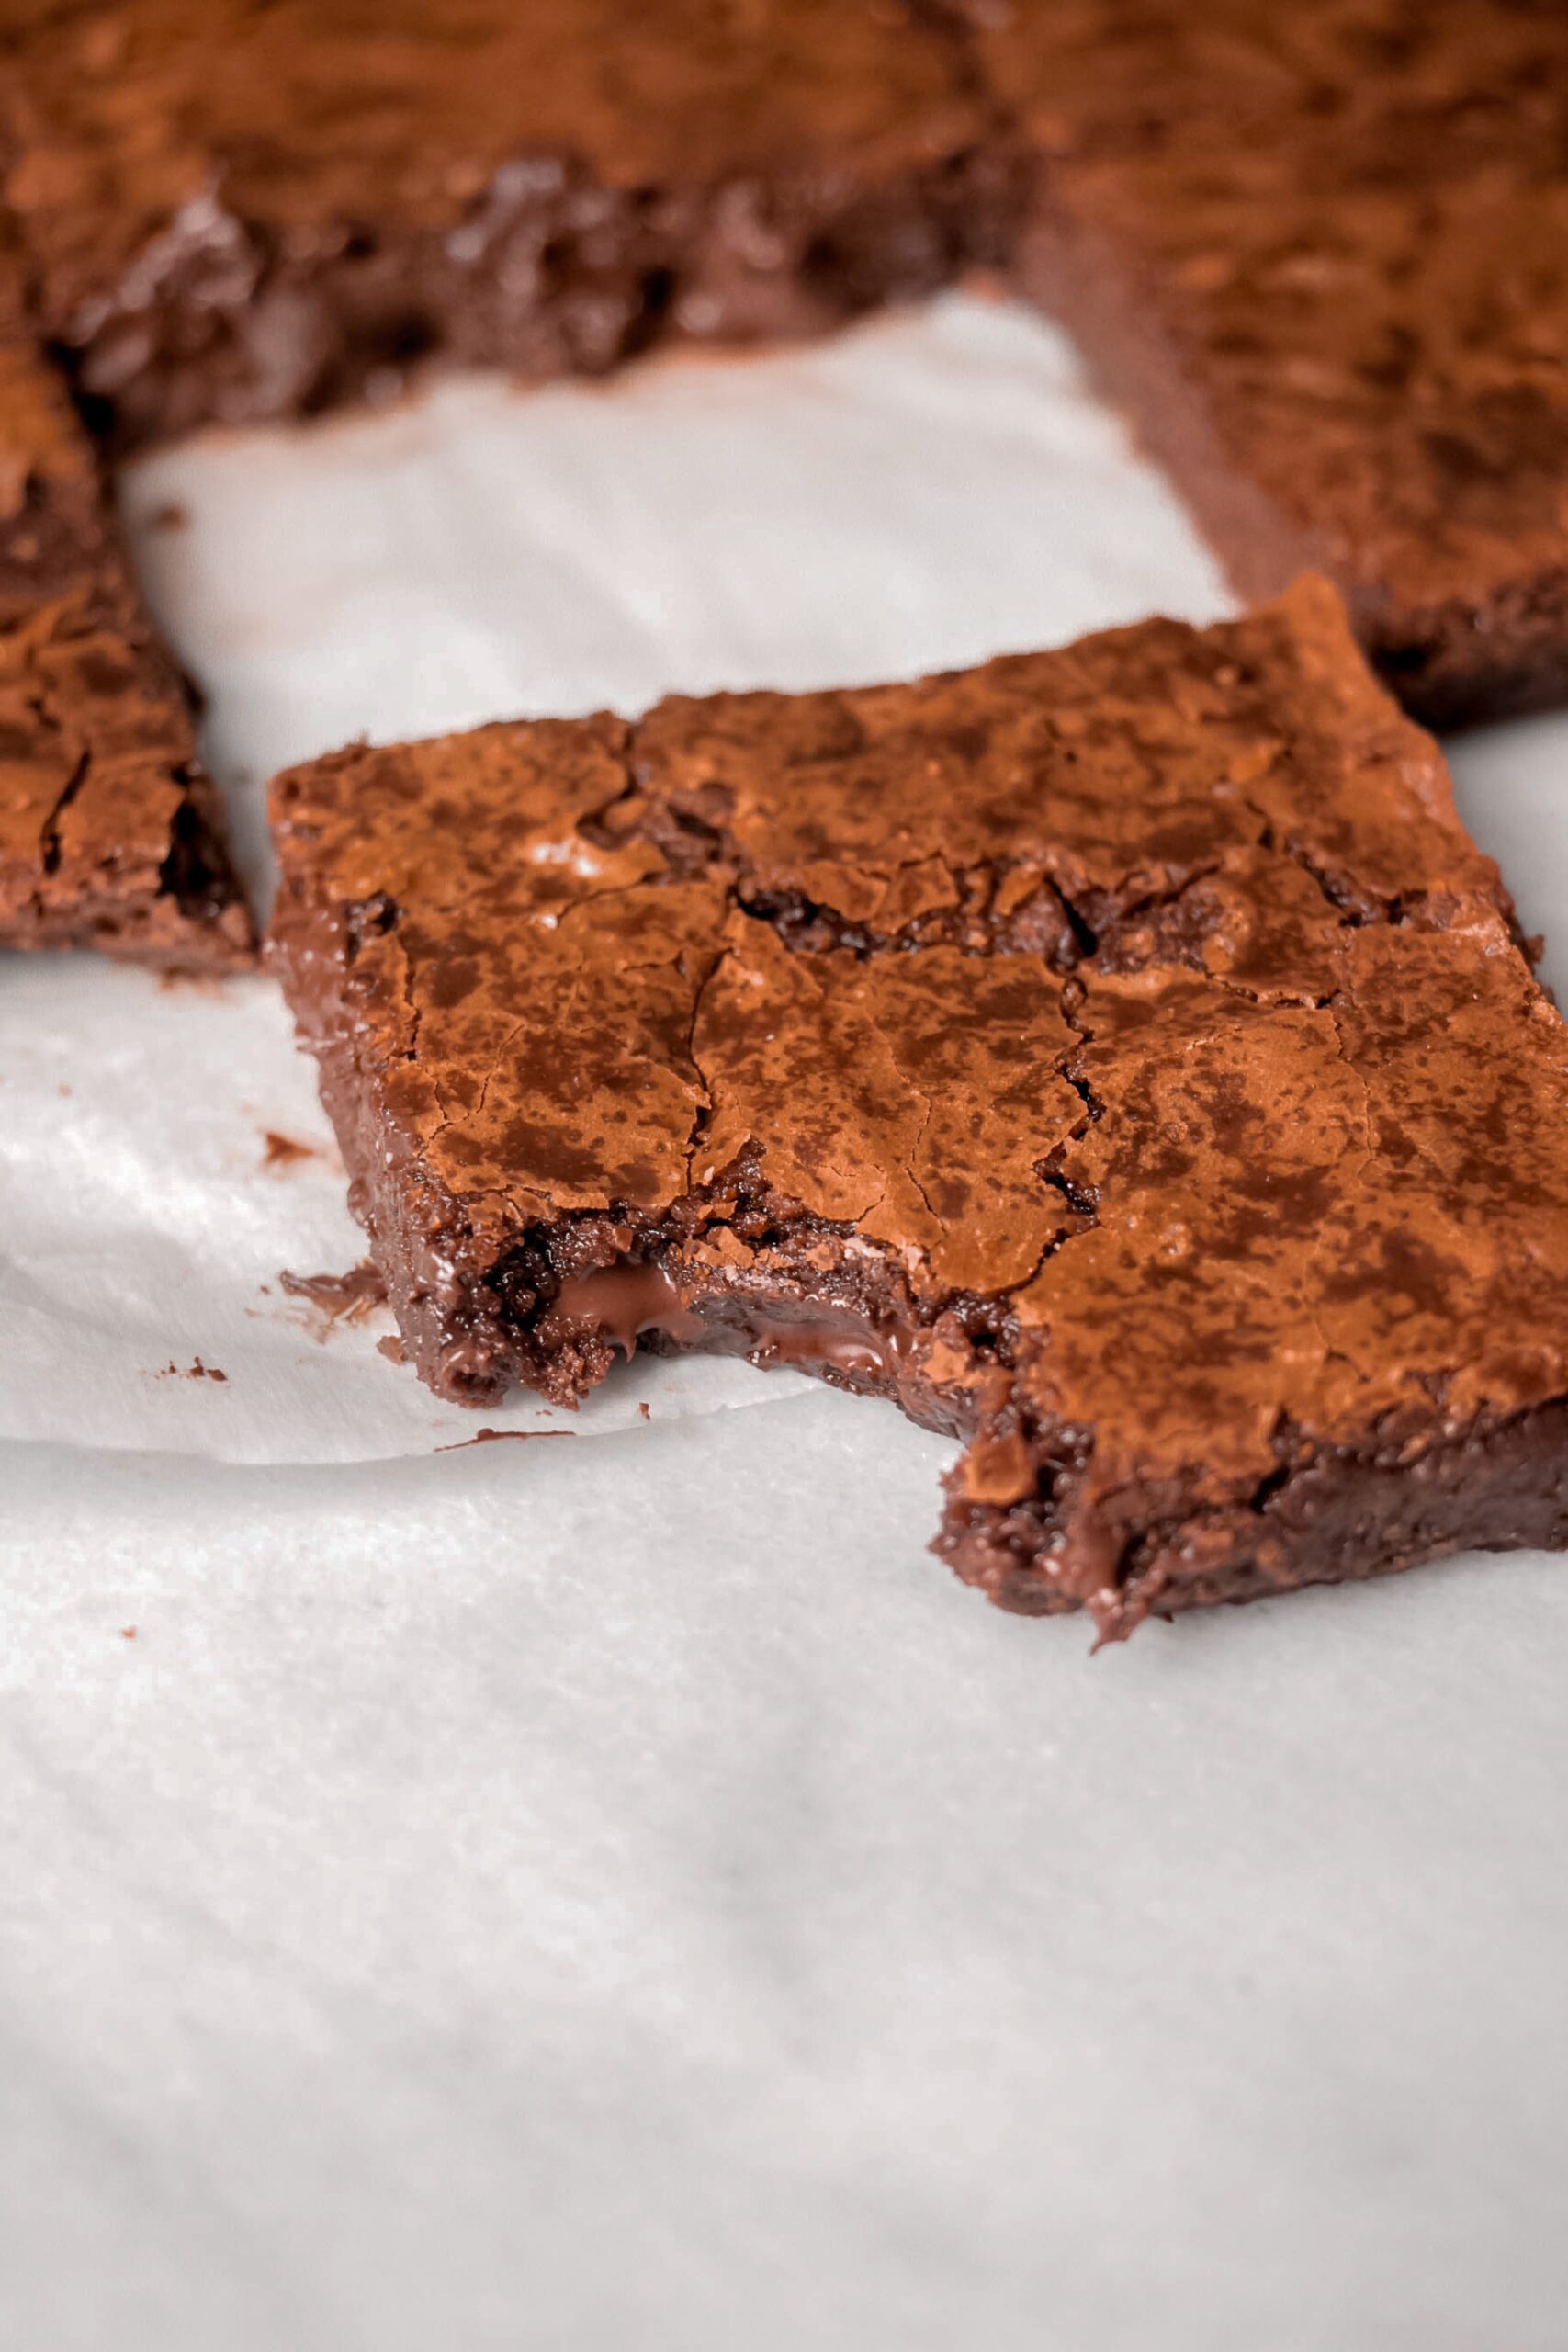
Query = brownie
x=238 y=212
x=1120 y=1056
x=1316 y=250
x=109 y=832
x=1319 y=253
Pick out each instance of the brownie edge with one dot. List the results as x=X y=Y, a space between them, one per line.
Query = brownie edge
x=1324 y=1515
x=110 y=833
x=236 y=213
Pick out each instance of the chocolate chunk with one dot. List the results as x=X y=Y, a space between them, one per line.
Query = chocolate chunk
x=1120 y=1056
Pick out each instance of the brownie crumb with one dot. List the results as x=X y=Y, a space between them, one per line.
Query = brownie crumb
x=351 y=1297
x=282 y=1151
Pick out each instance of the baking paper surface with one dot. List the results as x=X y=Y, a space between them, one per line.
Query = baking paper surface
x=623 y=1892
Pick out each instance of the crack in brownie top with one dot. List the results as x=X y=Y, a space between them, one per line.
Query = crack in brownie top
x=1125 y=1048
x=107 y=829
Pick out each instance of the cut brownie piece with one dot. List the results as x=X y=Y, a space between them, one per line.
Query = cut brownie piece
x=1319 y=252
x=108 y=828
x=1120 y=1056
x=238 y=212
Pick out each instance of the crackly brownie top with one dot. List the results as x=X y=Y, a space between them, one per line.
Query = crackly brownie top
x=1150 y=989
x=93 y=751
x=69 y=691
x=311 y=115
x=1352 y=216
x=100 y=828
x=1323 y=1218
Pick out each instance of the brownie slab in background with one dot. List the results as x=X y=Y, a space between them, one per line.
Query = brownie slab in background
x=1319 y=253
x=1120 y=1056
x=1315 y=250
x=109 y=831
x=238 y=212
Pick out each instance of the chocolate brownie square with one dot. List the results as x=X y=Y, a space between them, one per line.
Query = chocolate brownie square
x=238 y=212
x=1120 y=1056
x=109 y=833
x=1319 y=252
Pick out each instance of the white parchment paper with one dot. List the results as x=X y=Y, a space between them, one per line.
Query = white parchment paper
x=623 y=1894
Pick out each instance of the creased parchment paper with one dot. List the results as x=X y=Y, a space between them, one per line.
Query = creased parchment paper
x=620 y=1893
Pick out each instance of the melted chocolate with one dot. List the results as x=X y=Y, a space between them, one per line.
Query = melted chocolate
x=625 y=1303
x=878 y=1354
